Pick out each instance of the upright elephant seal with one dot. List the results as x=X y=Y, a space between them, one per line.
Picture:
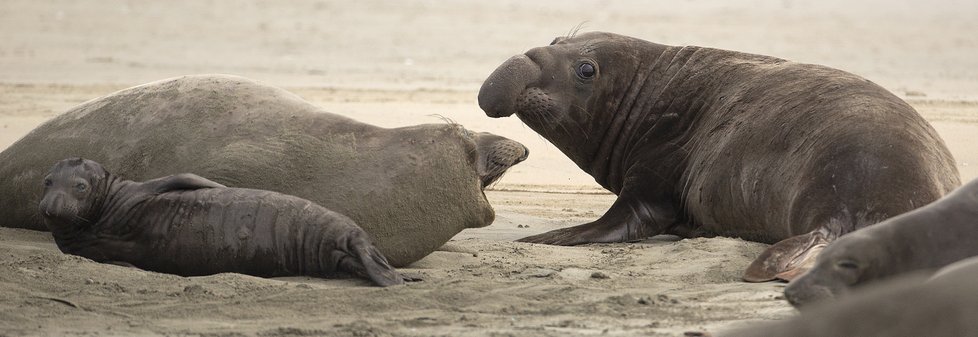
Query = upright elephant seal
x=701 y=141
x=187 y=225
x=945 y=305
x=927 y=238
x=411 y=188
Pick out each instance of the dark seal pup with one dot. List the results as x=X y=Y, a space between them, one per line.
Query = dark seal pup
x=700 y=141
x=187 y=225
x=412 y=188
x=927 y=238
x=945 y=305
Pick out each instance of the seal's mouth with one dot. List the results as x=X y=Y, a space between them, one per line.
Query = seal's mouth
x=501 y=156
x=57 y=208
x=502 y=89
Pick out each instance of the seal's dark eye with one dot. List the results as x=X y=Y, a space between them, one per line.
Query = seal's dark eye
x=47 y=182
x=81 y=187
x=847 y=264
x=585 y=70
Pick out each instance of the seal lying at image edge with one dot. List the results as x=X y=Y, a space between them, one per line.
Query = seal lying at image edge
x=187 y=225
x=910 y=305
x=927 y=238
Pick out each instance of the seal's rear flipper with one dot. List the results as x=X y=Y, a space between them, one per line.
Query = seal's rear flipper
x=788 y=258
x=364 y=260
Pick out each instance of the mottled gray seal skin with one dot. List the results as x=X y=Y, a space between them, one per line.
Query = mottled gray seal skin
x=700 y=141
x=925 y=239
x=411 y=188
x=945 y=305
x=187 y=225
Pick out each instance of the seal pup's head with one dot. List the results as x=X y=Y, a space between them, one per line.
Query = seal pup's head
x=849 y=261
x=73 y=192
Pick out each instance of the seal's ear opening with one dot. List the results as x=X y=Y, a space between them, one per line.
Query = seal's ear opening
x=787 y=259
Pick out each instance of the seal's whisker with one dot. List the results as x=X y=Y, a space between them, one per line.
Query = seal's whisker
x=82 y=219
x=573 y=32
x=586 y=113
x=444 y=119
x=560 y=124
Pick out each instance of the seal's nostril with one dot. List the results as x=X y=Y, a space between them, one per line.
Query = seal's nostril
x=526 y=153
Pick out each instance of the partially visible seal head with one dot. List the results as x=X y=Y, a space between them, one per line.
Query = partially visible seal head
x=187 y=225
x=925 y=239
x=700 y=141
x=908 y=305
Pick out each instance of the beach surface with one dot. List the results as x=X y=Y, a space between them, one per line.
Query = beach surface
x=409 y=62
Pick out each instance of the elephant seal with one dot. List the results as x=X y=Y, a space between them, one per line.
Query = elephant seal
x=187 y=225
x=700 y=142
x=927 y=238
x=945 y=305
x=411 y=188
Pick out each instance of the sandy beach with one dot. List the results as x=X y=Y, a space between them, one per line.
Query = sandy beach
x=411 y=62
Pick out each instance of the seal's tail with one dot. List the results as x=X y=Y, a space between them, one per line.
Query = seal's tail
x=365 y=260
x=788 y=258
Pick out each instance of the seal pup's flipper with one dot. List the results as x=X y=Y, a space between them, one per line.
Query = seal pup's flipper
x=180 y=182
x=359 y=257
x=787 y=259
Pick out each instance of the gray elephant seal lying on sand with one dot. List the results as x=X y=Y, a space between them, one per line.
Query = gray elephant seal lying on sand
x=187 y=225
x=945 y=305
x=927 y=238
x=412 y=188
x=701 y=141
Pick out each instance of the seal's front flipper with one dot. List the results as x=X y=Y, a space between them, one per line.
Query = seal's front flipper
x=122 y=264
x=362 y=259
x=788 y=258
x=180 y=182
x=587 y=233
x=626 y=220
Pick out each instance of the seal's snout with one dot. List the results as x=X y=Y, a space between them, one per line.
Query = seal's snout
x=496 y=155
x=53 y=205
x=803 y=293
x=499 y=93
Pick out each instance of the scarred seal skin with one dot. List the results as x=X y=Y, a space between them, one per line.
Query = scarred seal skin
x=922 y=240
x=411 y=188
x=700 y=141
x=909 y=305
x=187 y=225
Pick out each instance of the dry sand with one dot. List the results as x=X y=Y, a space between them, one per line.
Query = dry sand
x=408 y=62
